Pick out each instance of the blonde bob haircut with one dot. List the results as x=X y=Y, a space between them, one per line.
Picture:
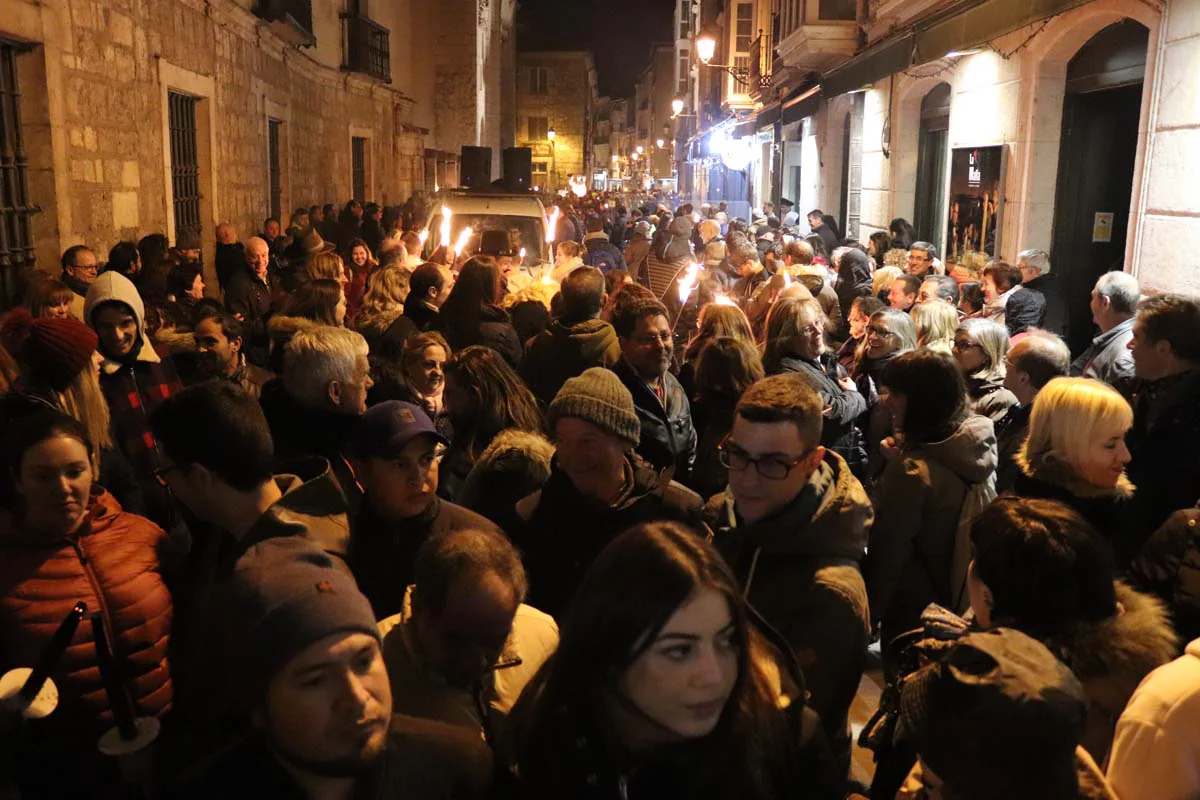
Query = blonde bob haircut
x=1069 y=414
x=324 y=265
x=882 y=280
x=936 y=323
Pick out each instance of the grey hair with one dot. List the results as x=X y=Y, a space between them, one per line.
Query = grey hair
x=901 y=325
x=1038 y=259
x=1122 y=291
x=1043 y=357
x=992 y=337
x=925 y=247
x=316 y=357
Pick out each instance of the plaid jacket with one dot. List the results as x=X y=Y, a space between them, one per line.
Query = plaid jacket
x=132 y=393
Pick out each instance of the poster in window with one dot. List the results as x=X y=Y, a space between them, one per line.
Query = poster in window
x=976 y=207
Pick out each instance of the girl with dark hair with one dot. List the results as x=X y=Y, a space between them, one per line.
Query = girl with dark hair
x=820 y=252
x=661 y=687
x=726 y=367
x=361 y=261
x=877 y=246
x=316 y=302
x=64 y=539
x=938 y=455
x=472 y=314
x=903 y=234
x=971 y=299
x=715 y=321
x=483 y=395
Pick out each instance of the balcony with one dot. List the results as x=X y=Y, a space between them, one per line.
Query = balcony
x=762 y=59
x=818 y=35
x=365 y=48
x=290 y=20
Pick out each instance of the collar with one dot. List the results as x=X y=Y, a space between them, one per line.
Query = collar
x=146 y=354
x=1115 y=331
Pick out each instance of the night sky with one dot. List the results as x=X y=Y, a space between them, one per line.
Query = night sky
x=618 y=32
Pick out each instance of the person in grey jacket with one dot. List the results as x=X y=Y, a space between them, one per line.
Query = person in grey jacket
x=1114 y=305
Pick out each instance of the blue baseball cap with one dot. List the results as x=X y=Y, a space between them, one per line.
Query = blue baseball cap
x=386 y=429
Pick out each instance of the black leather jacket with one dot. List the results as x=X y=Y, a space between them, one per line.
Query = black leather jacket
x=668 y=435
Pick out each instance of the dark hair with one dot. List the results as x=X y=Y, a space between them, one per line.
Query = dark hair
x=529 y=318
x=1003 y=274
x=44 y=292
x=593 y=224
x=478 y=286
x=499 y=399
x=626 y=296
x=122 y=257
x=789 y=397
x=817 y=244
x=467 y=554
x=425 y=277
x=153 y=248
x=726 y=367
x=629 y=593
x=867 y=305
x=349 y=250
x=936 y=394
x=316 y=300
x=206 y=307
x=1047 y=568
x=903 y=232
x=217 y=425
x=912 y=283
x=971 y=293
x=272 y=219
x=947 y=287
x=35 y=428
x=816 y=212
x=582 y=294
x=180 y=279
x=231 y=327
x=614 y=279
x=69 y=255
x=1175 y=319
x=625 y=318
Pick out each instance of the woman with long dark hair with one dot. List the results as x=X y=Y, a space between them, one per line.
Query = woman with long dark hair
x=726 y=367
x=362 y=262
x=661 y=687
x=483 y=395
x=315 y=302
x=903 y=234
x=472 y=314
x=715 y=321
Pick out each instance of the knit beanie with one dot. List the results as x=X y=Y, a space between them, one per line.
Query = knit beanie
x=681 y=226
x=598 y=396
x=51 y=350
x=284 y=595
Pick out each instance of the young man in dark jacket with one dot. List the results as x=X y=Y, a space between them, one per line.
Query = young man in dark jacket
x=793 y=525
x=576 y=341
x=668 y=438
x=601 y=252
x=598 y=487
x=396 y=451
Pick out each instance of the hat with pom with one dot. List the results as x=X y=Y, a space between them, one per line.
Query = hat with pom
x=49 y=349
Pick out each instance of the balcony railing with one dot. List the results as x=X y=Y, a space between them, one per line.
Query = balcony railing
x=365 y=47
x=290 y=20
x=762 y=60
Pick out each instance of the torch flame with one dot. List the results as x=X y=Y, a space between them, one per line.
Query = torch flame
x=546 y=277
x=447 y=214
x=464 y=236
x=723 y=300
x=552 y=225
x=787 y=279
x=688 y=281
x=423 y=236
x=522 y=255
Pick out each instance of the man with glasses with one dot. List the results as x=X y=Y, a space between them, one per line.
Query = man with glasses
x=79 y=270
x=396 y=451
x=921 y=258
x=793 y=525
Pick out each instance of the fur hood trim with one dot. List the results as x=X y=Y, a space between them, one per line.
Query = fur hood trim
x=1112 y=657
x=1051 y=468
x=281 y=326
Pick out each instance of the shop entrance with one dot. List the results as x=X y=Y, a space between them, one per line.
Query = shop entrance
x=1098 y=149
x=931 y=168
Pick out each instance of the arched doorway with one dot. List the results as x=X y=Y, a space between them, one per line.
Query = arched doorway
x=1097 y=156
x=930 y=204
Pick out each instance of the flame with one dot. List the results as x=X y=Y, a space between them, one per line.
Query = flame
x=688 y=281
x=522 y=261
x=723 y=300
x=447 y=215
x=552 y=225
x=423 y=236
x=464 y=236
x=787 y=279
x=546 y=277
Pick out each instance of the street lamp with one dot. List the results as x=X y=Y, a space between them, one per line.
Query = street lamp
x=676 y=106
x=640 y=149
x=706 y=48
x=550 y=134
x=660 y=144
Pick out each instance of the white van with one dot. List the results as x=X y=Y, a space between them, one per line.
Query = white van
x=521 y=215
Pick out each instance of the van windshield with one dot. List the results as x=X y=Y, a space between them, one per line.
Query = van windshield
x=523 y=232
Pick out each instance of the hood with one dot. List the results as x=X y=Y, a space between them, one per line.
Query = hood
x=830 y=518
x=969 y=452
x=591 y=338
x=595 y=236
x=281 y=327
x=312 y=506
x=115 y=287
x=1051 y=469
x=1111 y=657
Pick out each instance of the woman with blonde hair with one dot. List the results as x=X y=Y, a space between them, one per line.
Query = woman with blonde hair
x=383 y=305
x=881 y=281
x=936 y=323
x=1075 y=453
x=980 y=347
x=715 y=321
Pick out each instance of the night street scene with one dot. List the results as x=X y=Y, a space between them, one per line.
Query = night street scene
x=599 y=400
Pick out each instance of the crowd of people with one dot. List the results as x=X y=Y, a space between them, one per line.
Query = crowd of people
x=374 y=518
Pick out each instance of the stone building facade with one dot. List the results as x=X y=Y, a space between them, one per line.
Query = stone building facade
x=556 y=91
x=656 y=89
x=273 y=112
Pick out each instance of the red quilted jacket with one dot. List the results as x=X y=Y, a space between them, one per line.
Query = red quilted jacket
x=112 y=564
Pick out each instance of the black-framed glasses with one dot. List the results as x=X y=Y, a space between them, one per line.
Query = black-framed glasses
x=963 y=346
x=881 y=333
x=770 y=467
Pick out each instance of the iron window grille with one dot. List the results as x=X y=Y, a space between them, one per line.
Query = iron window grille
x=16 y=239
x=365 y=47
x=185 y=163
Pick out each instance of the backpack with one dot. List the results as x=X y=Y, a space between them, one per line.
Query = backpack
x=602 y=259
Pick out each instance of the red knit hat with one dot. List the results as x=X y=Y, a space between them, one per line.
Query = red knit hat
x=52 y=350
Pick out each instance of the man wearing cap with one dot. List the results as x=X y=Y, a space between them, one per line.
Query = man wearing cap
x=498 y=245
x=791 y=217
x=598 y=487
x=997 y=717
x=396 y=451
x=301 y=656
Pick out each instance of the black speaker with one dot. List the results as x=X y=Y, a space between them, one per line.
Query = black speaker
x=475 y=167
x=518 y=169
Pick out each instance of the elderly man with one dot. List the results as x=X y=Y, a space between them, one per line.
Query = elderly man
x=465 y=644
x=939 y=287
x=922 y=258
x=79 y=269
x=321 y=397
x=248 y=297
x=1036 y=277
x=1032 y=363
x=1114 y=306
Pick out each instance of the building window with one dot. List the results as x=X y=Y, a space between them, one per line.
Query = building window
x=685 y=65
x=274 y=173
x=539 y=80
x=685 y=19
x=16 y=241
x=744 y=31
x=539 y=128
x=358 y=167
x=838 y=10
x=185 y=162
x=365 y=47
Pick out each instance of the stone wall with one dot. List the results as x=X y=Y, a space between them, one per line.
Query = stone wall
x=567 y=106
